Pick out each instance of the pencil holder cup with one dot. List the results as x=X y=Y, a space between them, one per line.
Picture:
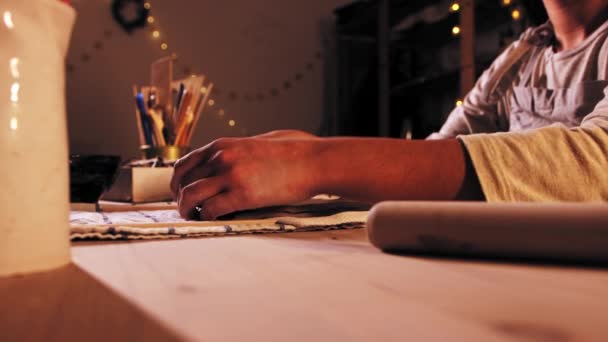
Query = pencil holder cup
x=34 y=195
x=167 y=153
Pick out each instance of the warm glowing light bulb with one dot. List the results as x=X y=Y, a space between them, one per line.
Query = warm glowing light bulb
x=516 y=14
x=458 y=103
x=203 y=90
x=164 y=46
x=150 y=20
x=8 y=20
x=14 y=67
x=231 y=123
x=147 y=5
x=15 y=92
x=506 y=2
x=456 y=30
x=455 y=7
x=156 y=33
x=211 y=103
x=14 y=124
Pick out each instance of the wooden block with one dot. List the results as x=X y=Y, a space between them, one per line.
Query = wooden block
x=141 y=184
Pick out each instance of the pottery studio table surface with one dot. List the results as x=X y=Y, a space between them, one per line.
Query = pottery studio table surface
x=330 y=286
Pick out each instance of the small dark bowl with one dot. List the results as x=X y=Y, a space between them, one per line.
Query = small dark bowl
x=91 y=176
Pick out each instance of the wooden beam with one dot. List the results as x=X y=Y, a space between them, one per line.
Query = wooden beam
x=467 y=46
x=383 y=68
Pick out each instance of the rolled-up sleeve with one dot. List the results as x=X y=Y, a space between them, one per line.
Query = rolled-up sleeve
x=554 y=163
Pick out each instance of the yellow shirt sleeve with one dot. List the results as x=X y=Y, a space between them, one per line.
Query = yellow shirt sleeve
x=553 y=163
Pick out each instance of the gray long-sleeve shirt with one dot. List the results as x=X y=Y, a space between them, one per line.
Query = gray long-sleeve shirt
x=530 y=86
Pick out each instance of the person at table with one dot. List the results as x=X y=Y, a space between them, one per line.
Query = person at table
x=534 y=128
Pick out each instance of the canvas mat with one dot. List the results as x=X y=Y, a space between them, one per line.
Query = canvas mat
x=136 y=222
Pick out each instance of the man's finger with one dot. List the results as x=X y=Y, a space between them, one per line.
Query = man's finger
x=200 y=172
x=196 y=193
x=183 y=166
x=213 y=167
x=218 y=205
x=189 y=162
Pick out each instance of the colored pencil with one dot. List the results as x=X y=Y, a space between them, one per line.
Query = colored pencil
x=198 y=109
x=144 y=119
x=140 y=132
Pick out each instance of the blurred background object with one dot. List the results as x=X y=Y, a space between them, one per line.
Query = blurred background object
x=266 y=58
x=309 y=65
x=423 y=43
x=91 y=176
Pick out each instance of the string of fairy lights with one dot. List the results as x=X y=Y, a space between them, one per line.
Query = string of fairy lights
x=515 y=11
x=516 y=14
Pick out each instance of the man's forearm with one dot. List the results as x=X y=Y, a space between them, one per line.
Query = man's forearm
x=389 y=169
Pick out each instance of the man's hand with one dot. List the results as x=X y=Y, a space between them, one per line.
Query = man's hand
x=235 y=174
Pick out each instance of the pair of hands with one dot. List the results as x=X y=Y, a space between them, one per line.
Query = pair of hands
x=233 y=174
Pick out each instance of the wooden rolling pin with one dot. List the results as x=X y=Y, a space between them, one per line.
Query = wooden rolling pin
x=560 y=231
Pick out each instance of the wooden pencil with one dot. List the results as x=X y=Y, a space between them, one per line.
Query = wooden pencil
x=157 y=125
x=200 y=106
x=182 y=117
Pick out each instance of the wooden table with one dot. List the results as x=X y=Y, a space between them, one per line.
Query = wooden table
x=330 y=286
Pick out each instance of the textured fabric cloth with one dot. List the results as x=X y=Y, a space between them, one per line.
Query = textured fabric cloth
x=554 y=107
x=166 y=223
x=548 y=164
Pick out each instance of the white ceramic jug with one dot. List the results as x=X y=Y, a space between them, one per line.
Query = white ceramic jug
x=34 y=176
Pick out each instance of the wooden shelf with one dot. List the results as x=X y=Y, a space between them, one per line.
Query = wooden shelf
x=408 y=59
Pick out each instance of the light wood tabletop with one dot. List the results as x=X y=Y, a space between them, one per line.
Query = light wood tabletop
x=330 y=286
